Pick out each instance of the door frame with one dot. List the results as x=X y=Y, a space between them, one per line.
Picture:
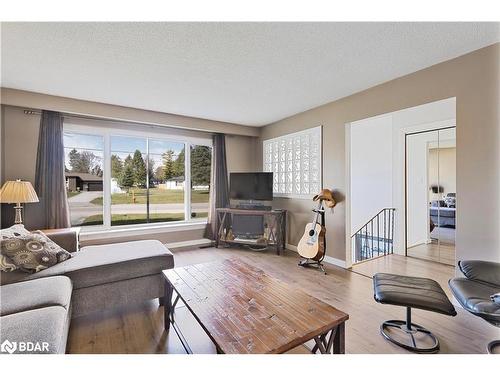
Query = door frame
x=405 y=176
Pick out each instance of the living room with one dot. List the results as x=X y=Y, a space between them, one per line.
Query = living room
x=229 y=188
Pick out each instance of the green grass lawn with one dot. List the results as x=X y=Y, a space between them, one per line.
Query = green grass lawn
x=72 y=193
x=155 y=196
x=126 y=219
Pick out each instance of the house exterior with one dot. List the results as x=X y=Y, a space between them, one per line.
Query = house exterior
x=175 y=183
x=83 y=182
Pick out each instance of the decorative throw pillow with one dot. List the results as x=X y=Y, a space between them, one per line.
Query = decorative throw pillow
x=17 y=230
x=33 y=252
x=6 y=265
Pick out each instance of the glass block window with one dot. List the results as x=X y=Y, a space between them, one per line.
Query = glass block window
x=295 y=160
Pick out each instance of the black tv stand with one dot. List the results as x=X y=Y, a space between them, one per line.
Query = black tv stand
x=275 y=219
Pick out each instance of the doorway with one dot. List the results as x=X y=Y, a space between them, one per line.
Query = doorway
x=430 y=195
x=376 y=183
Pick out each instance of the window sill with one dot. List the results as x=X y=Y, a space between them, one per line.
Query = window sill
x=140 y=229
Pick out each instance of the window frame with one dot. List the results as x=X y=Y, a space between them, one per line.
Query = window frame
x=107 y=133
x=317 y=130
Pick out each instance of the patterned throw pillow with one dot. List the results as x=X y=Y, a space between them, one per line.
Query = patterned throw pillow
x=33 y=252
x=17 y=230
x=6 y=265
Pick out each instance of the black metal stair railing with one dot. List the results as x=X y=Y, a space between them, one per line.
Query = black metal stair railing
x=376 y=237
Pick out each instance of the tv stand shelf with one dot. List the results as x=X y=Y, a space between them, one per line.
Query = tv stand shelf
x=276 y=223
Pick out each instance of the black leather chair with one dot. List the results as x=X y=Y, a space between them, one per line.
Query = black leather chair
x=478 y=292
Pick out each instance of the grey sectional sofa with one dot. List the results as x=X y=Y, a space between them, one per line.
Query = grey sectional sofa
x=35 y=315
x=102 y=277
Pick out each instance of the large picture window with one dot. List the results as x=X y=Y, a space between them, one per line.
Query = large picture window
x=84 y=170
x=122 y=178
x=295 y=160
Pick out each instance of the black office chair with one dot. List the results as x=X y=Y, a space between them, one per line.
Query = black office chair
x=479 y=291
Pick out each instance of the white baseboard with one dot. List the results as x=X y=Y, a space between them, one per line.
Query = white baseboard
x=335 y=261
x=328 y=259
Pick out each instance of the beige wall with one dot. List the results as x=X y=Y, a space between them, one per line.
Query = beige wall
x=18 y=156
x=240 y=154
x=32 y=100
x=473 y=79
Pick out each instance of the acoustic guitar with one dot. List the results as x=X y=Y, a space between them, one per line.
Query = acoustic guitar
x=312 y=243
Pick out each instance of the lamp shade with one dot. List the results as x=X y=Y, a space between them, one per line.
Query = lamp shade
x=18 y=192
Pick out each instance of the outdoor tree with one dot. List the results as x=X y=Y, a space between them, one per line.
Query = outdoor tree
x=139 y=169
x=127 y=161
x=127 y=177
x=201 y=161
x=159 y=174
x=168 y=164
x=74 y=160
x=179 y=165
x=96 y=170
x=84 y=162
x=151 y=167
x=116 y=166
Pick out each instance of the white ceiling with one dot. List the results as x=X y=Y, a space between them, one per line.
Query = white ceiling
x=245 y=73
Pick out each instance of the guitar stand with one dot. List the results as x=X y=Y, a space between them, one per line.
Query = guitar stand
x=313 y=263
x=316 y=263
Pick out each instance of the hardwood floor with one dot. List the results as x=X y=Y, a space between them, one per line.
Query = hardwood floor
x=139 y=329
x=442 y=253
x=408 y=266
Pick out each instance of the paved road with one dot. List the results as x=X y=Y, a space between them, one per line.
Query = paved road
x=85 y=197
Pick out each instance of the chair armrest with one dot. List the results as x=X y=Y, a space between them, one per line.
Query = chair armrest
x=66 y=238
x=479 y=270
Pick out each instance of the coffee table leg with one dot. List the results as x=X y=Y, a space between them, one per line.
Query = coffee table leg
x=167 y=308
x=339 y=341
x=331 y=342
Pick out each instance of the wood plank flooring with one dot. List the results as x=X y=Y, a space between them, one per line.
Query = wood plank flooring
x=442 y=253
x=139 y=329
x=408 y=266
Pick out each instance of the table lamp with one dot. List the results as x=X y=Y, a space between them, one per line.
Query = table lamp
x=18 y=192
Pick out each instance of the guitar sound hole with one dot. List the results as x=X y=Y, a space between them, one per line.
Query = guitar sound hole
x=311 y=232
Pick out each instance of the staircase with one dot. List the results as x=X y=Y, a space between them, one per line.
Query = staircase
x=375 y=238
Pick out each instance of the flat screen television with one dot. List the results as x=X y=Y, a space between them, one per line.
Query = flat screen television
x=251 y=186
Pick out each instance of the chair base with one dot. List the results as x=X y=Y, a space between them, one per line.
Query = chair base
x=410 y=330
x=492 y=345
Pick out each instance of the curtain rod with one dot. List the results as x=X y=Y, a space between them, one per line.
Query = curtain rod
x=86 y=117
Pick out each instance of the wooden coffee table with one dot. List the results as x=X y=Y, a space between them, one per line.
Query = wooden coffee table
x=243 y=310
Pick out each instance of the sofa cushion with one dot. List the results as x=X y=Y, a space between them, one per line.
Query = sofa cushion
x=33 y=252
x=36 y=294
x=46 y=325
x=99 y=264
x=18 y=230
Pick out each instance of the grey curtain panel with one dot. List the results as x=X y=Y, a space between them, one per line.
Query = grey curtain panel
x=219 y=187
x=50 y=182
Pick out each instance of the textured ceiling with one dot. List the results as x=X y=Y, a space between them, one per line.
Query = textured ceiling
x=245 y=73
